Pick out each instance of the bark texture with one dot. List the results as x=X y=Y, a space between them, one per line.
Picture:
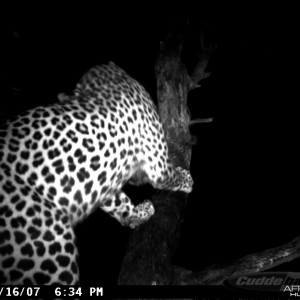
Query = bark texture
x=152 y=245
x=148 y=260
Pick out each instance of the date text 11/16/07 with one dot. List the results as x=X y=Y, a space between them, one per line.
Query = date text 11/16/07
x=48 y=290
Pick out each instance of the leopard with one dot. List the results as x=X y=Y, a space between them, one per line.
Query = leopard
x=61 y=161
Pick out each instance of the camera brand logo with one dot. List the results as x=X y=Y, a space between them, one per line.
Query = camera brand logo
x=266 y=282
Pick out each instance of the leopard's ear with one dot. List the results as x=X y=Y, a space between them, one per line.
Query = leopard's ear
x=63 y=97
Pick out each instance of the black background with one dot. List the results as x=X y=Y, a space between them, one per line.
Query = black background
x=245 y=165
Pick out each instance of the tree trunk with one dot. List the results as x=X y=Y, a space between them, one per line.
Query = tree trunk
x=148 y=260
x=151 y=246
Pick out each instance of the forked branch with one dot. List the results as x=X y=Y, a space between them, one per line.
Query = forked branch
x=200 y=72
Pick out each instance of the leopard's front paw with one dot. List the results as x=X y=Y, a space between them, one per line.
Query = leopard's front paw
x=145 y=211
x=186 y=184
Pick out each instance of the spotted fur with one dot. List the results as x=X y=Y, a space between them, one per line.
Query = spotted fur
x=59 y=163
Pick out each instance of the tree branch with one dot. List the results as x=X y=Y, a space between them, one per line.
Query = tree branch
x=152 y=245
x=251 y=263
x=200 y=72
x=201 y=120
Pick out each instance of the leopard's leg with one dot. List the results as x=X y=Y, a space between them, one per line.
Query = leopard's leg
x=121 y=208
x=167 y=177
x=41 y=246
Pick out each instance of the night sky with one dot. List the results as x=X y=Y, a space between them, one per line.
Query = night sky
x=245 y=163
